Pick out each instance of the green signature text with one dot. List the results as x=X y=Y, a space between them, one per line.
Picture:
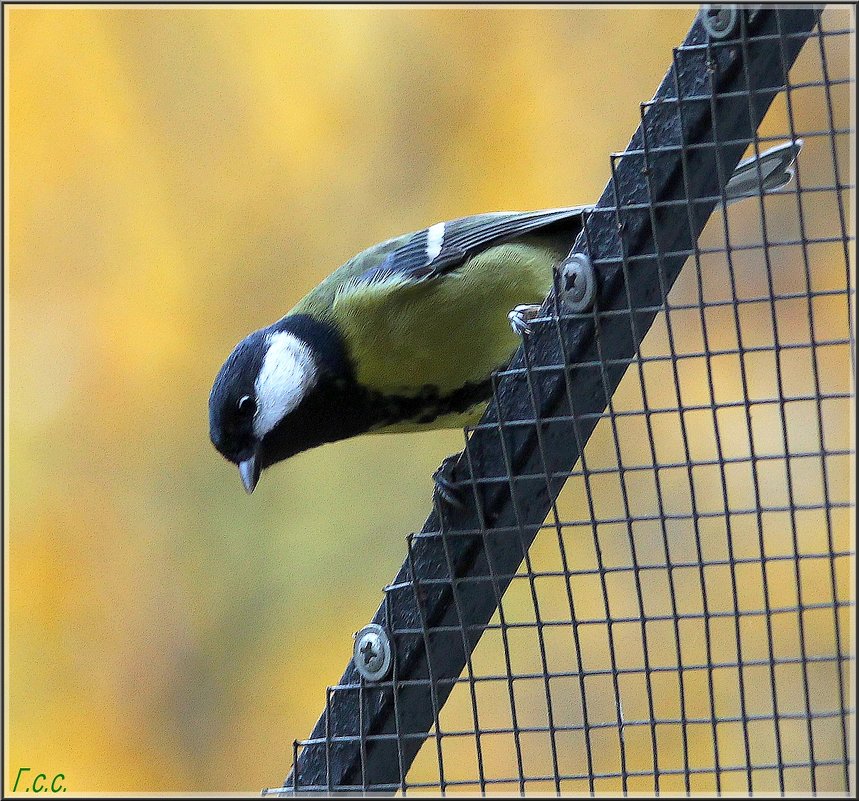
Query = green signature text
x=41 y=783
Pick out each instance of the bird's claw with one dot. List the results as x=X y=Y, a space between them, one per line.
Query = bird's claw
x=521 y=316
x=445 y=487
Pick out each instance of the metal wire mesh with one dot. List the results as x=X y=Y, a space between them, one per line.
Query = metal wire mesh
x=682 y=619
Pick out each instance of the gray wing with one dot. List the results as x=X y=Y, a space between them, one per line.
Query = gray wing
x=442 y=247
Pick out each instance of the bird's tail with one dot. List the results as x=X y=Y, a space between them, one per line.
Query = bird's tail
x=776 y=171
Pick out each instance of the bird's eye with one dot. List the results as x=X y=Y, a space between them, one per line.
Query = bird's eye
x=246 y=405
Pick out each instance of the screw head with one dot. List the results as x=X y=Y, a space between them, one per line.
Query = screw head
x=372 y=654
x=719 y=20
x=577 y=282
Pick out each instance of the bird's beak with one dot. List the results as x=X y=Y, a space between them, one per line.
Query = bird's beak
x=250 y=470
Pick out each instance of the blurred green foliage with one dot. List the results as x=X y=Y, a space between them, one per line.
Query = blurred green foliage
x=177 y=178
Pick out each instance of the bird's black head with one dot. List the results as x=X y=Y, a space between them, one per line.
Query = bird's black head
x=283 y=389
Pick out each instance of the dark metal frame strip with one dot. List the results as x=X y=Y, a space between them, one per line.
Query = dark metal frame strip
x=663 y=190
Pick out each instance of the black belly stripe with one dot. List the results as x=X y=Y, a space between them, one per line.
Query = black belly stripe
x=339 y=407
x=426 y=405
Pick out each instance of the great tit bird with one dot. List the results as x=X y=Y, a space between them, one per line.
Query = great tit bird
x=405 y=335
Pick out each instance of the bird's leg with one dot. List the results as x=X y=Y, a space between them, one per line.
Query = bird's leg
x=445 y=486
x=521 y=316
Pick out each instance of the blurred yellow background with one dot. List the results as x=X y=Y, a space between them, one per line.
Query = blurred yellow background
x=178 y=177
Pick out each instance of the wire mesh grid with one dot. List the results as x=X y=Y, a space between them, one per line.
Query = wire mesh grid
x=682 y=618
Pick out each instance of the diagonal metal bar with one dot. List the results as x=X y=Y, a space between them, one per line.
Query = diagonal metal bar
x=663 y=190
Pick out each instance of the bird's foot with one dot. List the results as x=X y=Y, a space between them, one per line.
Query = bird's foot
x=521 y=316
x=445 y=487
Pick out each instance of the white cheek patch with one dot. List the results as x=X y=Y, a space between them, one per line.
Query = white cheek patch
x=288 y=372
